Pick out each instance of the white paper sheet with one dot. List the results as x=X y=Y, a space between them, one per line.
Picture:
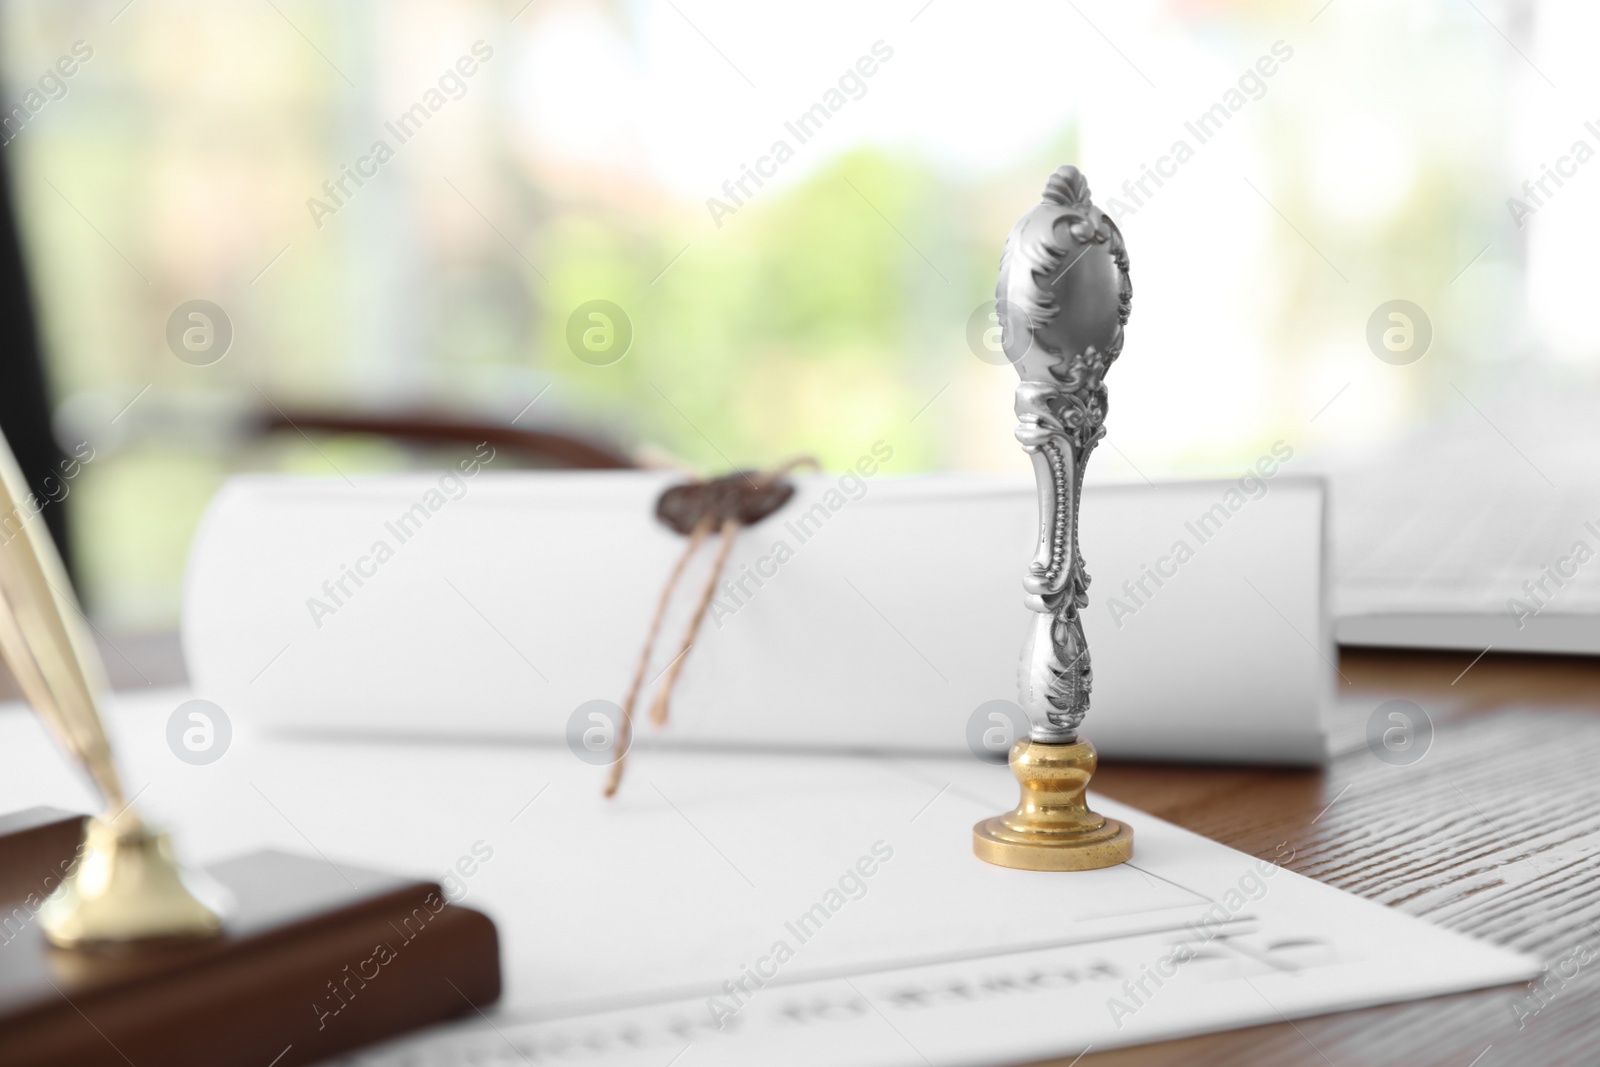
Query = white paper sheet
x=1478 y=530
x=620 y=920
x=891 y=615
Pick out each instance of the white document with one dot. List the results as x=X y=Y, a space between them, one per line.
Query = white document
x=868 y=614
x=1457 y=538
x=627 y=927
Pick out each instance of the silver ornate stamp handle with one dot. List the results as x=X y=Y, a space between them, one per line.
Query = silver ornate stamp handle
x=1062 y=300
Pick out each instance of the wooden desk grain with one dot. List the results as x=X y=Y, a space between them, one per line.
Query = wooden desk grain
x=1494 y=832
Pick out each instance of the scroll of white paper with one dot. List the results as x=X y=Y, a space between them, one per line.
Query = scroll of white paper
x=870 y=613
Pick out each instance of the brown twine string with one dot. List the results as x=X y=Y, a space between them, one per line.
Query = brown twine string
x=660 y=707
x=658 y=710
x=625 y=730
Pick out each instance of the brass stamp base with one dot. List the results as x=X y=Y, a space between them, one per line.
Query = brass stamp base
x=1052 y=829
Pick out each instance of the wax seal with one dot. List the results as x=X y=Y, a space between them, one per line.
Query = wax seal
x=746 y=497
x=695 y=509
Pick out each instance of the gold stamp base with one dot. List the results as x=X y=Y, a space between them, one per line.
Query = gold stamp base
x=1052 y=828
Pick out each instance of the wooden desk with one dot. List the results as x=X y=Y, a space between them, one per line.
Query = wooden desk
x=1494 y=832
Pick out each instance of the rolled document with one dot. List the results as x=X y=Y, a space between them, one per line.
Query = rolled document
x=870 y=613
